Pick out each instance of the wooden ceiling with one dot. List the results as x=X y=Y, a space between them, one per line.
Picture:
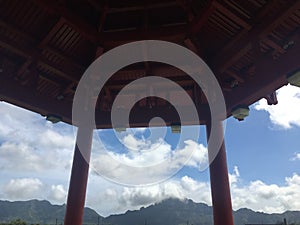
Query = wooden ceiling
x=46 y=45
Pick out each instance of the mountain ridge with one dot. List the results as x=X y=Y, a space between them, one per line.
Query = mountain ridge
x=38 y=211
x=171 y=211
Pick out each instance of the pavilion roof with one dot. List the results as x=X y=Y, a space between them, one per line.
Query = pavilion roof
x=46 y=45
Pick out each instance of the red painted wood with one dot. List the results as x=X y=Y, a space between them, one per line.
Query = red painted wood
x=31 y=52
x=79 y=177
x=220 y=190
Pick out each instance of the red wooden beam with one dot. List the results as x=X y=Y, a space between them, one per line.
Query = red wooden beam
x=228 y=62
x=173 y=34
x=139 y=6
x=184 y=4
x=234 y=75
x=98 y=5
x=193 y=47
x=110 y=38
x=231 y=15
x=15 y=30
x=85 y=29
x=113 y=39
x=165 y=88
x=26 y=97
x=273 y=45
x=199 y=21
x=32 y=54
x=8 y=45
x=283 y=16
x=269 y=75
x=244 y=42
x=24 y=67
x=41 y=45
x=52 y=32
x=74 y=64
x=260 y=17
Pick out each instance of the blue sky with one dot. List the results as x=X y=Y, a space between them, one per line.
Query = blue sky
x=261 y=149
x=263 y=160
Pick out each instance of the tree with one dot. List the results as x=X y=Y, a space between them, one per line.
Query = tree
x=17 y=222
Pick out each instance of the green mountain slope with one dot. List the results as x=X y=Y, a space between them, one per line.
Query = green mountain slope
x=176 y=212
x=171 y=211
x=42 y=212
x=167 y=212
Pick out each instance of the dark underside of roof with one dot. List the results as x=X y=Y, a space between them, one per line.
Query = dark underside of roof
x=46 y=45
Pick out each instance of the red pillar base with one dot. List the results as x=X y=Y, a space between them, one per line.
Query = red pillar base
x=79 y=177
x=220 y=190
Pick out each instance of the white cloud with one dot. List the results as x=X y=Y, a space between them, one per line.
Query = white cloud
x=139 y=130
x=234 y=177
x=153 y=162
x=33 y=188
x=270 y=198
x=24 y=156
x=287 y=112
x=296 y=157
x=25 y=188
x=196 y=154
x=20 y=156
x=51 y=139
x=119 y=199
x=13 y=120
x=29 y=143
x=256 y=195
x=58 y=193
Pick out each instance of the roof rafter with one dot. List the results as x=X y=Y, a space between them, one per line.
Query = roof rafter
x=272 y=75
x=52 y=32
x=231 y=15
x=142 y=7
x=110 y=38
x=246 y=41
x=38 y=57
x=42 y=44
x=198 y=22
x=43 y=105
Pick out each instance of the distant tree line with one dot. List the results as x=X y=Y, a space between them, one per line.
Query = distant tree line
x=22 y=222
x=15 y=222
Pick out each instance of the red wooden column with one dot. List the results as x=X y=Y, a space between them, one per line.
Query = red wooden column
x=79 y=177
x=220 y=190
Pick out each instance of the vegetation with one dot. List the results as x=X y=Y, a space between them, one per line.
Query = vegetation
x=38 y=212
x=15 y=222
x=167 y=212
